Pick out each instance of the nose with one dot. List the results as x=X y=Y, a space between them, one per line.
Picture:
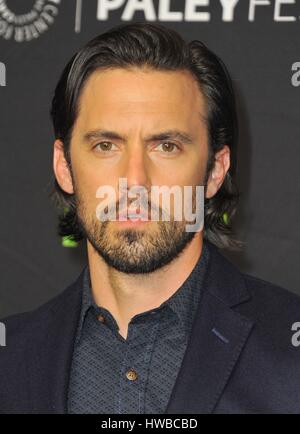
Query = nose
x=136 y=166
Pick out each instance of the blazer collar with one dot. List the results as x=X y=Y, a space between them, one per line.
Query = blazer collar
x=217 y=338
x=52 y=350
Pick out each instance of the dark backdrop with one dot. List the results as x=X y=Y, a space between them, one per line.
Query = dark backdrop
x=262 y=55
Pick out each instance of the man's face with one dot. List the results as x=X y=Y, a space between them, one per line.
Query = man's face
x=136 y=105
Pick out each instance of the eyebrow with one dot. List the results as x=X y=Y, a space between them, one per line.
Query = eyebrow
x=164 y=135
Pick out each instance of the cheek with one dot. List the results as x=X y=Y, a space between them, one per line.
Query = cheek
x=192 y=174
x=87 y=176
x=197 y=170
x=91 y=173
x=198 y=175
x=87 y=183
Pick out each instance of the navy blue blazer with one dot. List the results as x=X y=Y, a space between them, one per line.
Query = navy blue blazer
x=240 y=357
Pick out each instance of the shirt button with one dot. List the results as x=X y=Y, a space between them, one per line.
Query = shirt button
x=131 y=375
x=100 y=318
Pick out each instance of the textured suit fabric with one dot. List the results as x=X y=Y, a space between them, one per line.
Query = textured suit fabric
x=239 y=358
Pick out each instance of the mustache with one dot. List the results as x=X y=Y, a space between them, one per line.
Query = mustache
x=144 y=212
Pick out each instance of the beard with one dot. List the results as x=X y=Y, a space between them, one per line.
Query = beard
x=133 y=251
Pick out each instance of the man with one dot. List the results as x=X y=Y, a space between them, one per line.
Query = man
x=158 y=321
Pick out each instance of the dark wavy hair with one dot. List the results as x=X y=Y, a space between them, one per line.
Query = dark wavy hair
x=155 y=46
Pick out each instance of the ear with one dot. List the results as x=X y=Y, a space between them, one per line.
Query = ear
x=61 y=168
x=218 y=172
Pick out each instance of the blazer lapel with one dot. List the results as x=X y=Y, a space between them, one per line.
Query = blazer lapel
x=51 y=353
x=217 y=339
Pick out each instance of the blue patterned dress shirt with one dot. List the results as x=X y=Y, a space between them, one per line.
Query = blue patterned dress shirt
x=113 y=375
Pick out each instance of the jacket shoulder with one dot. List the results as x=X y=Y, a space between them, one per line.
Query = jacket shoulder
x=25 y=323
x=275 y=311
x=271 y=295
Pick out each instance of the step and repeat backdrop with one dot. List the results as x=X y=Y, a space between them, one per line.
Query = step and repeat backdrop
x=259 y=41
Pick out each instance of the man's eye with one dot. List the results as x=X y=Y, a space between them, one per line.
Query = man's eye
x=168 y=147
x=104 y=146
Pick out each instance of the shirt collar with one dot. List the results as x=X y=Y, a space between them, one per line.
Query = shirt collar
x=183 y=302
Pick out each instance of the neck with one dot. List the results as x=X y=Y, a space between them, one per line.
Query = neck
x=126 y=295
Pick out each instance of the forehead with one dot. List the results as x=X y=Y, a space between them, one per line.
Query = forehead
x=140 y=96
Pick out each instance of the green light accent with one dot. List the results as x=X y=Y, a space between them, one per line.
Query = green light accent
x=65 y=210
x=225 y=218
x=68 y=241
